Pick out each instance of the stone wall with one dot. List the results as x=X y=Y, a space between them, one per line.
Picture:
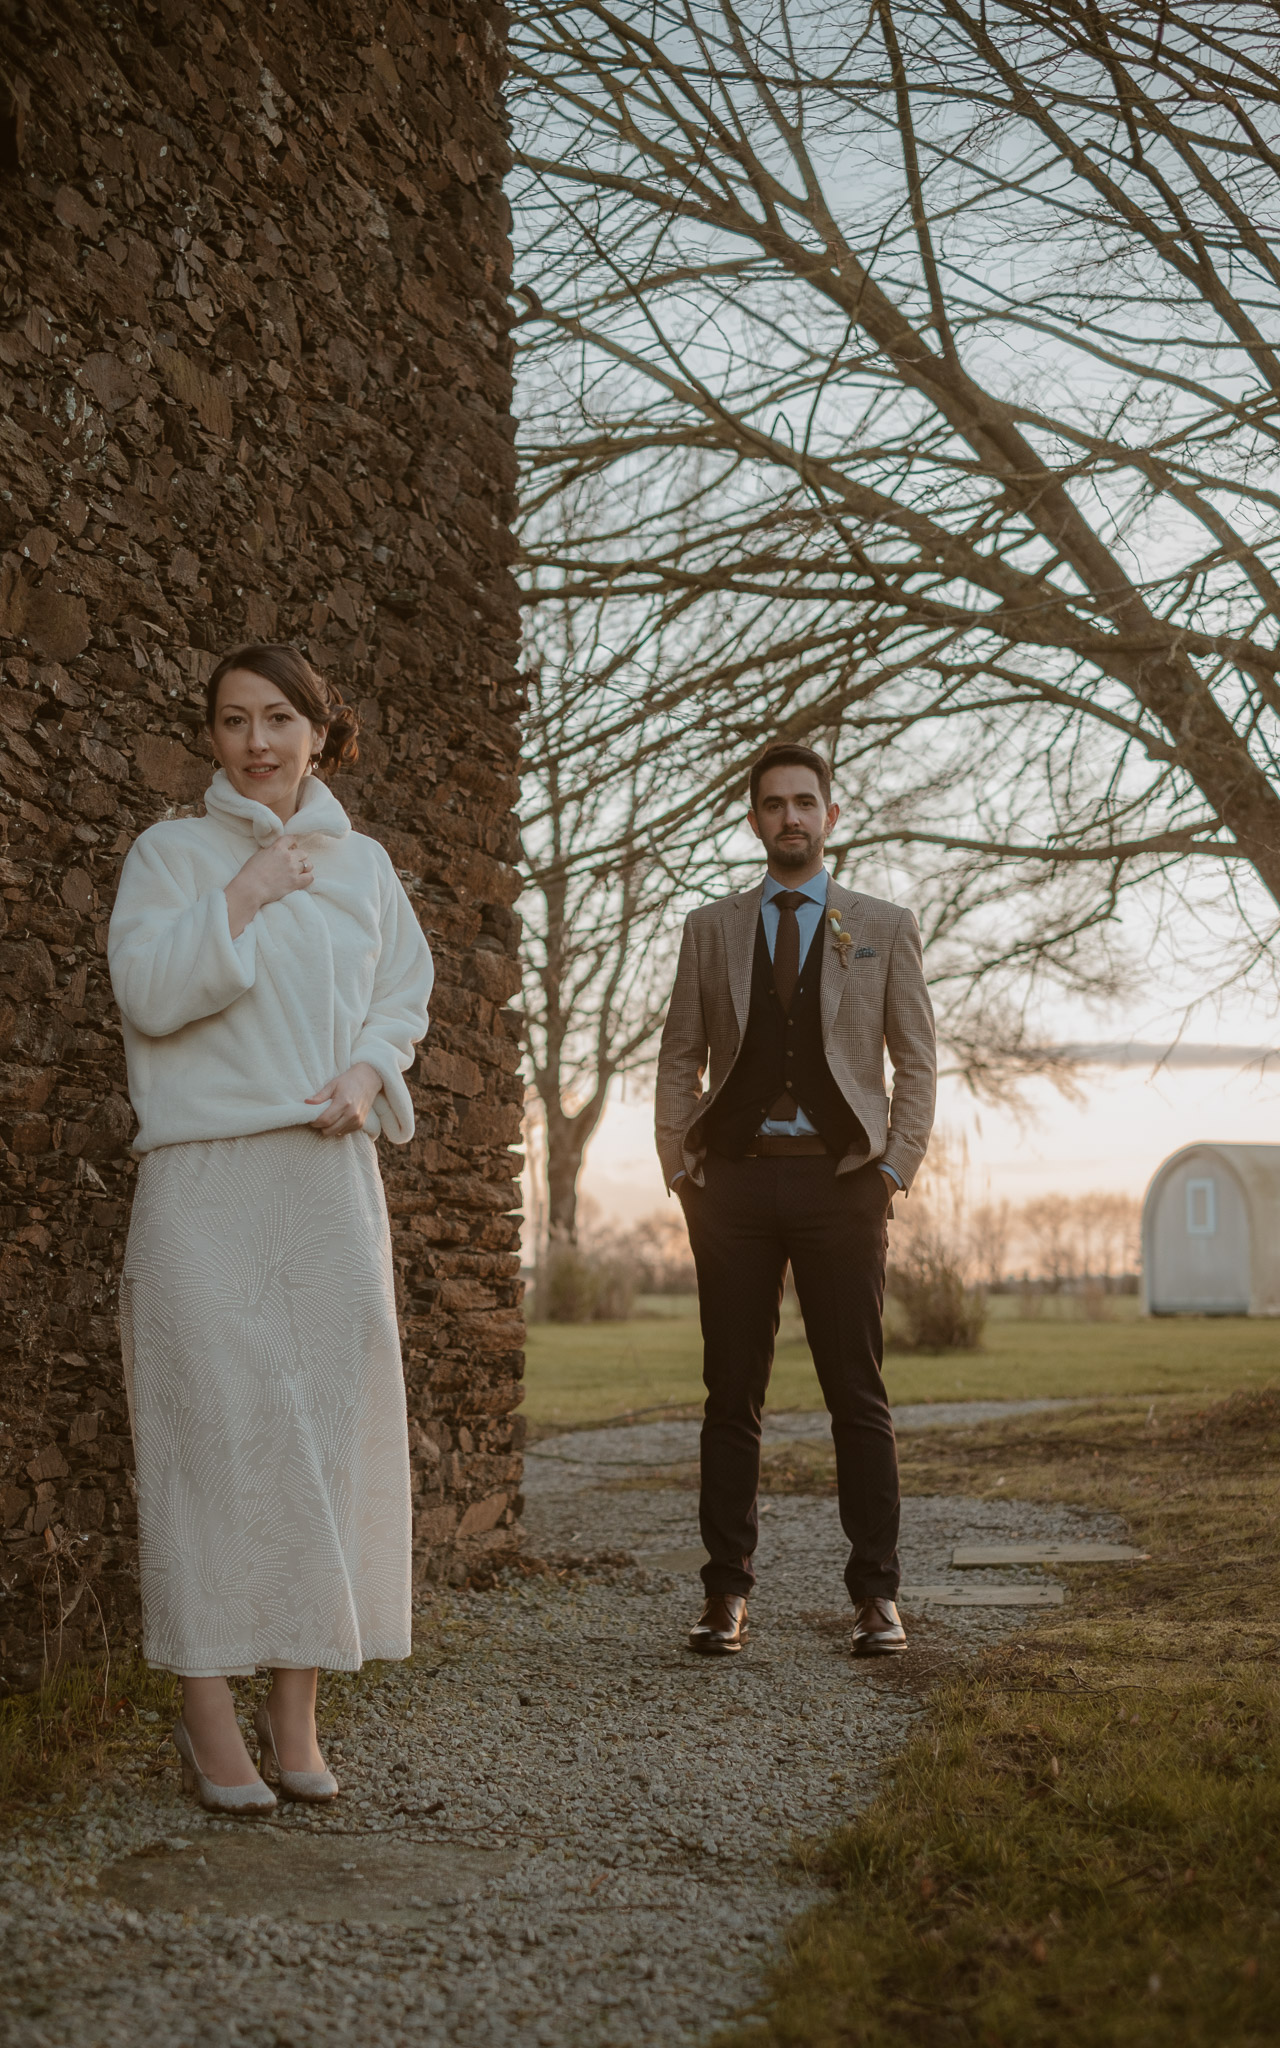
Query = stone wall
x=255 y=382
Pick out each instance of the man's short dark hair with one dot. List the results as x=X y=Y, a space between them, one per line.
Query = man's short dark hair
x=790 y=754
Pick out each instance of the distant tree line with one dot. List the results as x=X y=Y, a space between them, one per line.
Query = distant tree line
x=945 y=1253
x=1065 y=1242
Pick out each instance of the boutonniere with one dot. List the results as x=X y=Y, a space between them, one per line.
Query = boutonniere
x=843 y=939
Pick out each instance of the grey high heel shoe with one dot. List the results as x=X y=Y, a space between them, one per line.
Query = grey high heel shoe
x=251 y=1801
x=316 y=1788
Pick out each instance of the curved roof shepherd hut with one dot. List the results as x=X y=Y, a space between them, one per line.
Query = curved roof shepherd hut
x=1211 y=1233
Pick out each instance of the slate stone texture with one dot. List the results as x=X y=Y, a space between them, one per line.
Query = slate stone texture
x=255 y=382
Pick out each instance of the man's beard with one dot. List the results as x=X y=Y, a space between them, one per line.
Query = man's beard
x=794 y=853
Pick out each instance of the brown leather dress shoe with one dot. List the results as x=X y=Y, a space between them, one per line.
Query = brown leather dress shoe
x=721 y=1628
x=877 y=1629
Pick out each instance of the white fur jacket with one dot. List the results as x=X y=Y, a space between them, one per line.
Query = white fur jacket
x=227 y=1037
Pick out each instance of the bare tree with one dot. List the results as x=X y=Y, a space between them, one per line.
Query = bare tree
x=911 y=369
x=991 y=1226
x=601 y=886
x=1118 y=1236
x=1046 y=1227
x=1065 y=1239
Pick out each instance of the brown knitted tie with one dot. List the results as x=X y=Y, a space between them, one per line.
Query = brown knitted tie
x=786 y=950
x=786 y=973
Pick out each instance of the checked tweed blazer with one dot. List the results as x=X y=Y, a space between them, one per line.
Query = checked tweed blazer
x=872 y=998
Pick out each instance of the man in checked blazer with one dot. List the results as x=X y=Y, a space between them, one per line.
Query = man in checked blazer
x=791 y=1153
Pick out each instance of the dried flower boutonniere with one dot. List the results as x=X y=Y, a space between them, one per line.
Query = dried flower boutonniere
x=842 y=938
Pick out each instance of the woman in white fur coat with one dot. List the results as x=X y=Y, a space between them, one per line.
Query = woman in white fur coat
x=273 y=982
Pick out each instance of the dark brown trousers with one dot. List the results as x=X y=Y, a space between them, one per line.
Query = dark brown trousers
x=752 y=1219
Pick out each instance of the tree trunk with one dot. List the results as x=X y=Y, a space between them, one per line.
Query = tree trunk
x=567 y=1141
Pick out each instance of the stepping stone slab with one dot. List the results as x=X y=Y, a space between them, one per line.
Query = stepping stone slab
x=982 y=1596
x=265 y=1869
x=1045 y=1553
x=691 y=1560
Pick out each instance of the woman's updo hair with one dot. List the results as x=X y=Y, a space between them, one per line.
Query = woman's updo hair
x=308 y=693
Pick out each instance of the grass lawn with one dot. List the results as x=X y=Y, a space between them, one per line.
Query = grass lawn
x=1081 y=1848
x=582 y=1373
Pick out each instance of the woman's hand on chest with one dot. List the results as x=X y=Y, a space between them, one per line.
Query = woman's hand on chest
x=347 y=1101
x=271 y=873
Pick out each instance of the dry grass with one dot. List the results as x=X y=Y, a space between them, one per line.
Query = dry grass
x=1082 y=1850
x=86 y=1720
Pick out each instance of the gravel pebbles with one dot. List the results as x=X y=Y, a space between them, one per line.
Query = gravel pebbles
x=562 y=1829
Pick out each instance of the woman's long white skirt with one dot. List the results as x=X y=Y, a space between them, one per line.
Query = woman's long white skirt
x=267 y=1398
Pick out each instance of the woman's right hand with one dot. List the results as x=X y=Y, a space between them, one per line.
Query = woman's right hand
x=270 y=873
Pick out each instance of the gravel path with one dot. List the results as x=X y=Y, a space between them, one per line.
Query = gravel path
x=557 y=1827
x=647 y=1446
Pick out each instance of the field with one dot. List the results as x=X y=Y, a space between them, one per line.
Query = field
x=1079 y=1846
x=1078 y=1849
x=578 y=1374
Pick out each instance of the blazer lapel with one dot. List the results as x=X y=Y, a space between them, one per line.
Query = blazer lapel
x=835 y=978
x=740 y=940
